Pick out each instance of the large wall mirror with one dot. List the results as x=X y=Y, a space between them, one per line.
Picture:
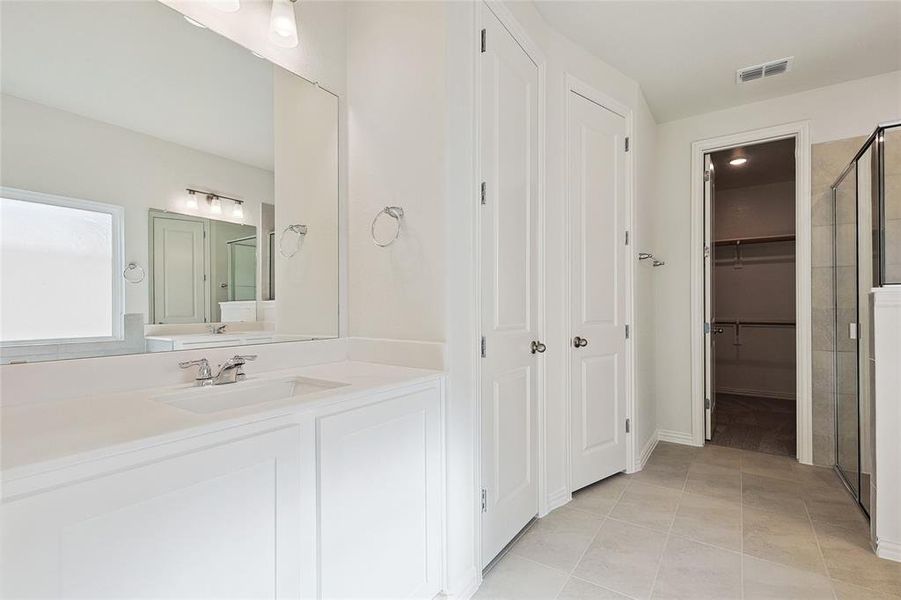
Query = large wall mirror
x=163 y=188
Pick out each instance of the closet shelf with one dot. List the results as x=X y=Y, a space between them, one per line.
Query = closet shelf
x=765 y=239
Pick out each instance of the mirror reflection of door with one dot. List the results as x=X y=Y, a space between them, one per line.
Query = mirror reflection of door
x=179 y=269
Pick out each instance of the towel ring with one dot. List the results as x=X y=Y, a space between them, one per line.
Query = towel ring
x=396 y=213
x=138 y=278
x=300 y=231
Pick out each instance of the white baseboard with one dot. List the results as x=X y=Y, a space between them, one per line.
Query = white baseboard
x=756 y=393
x=558 y=499
x=467 y=590
x=675 y=437
x=888 y=550
x=647 y=450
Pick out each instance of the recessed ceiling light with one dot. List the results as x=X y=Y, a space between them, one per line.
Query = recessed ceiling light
x=736 y=162
x=194 y=23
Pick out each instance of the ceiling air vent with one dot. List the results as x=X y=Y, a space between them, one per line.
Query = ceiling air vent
x=761 y=71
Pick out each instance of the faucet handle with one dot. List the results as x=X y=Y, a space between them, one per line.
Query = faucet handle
x=203 y=373
x=244 y=357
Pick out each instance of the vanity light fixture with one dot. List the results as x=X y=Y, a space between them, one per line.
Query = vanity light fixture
x=214 y=201
x=283 y=24
x=194 y=23
x=737 y=162
x=191 y=201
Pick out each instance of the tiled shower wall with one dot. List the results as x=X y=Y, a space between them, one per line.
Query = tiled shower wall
x=828 y=160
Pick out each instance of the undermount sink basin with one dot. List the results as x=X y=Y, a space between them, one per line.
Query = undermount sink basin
x=243 y=393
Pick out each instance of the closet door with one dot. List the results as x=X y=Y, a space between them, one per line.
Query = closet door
x=510 y=294
x=596 y=182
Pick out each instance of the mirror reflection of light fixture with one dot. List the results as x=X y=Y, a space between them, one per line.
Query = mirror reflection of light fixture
x=226 y=5
x=283 y=24
x=191 y=200
x=194 y=22
x=215 y=204
x=737 y=162
x=238 y=210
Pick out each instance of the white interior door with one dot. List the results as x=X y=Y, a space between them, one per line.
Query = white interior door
x=596 y=181
x=510 y=294
x=179 y=267
x=710 y=328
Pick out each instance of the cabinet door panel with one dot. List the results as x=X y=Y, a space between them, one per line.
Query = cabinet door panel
x=380 y=499
x=198 y=525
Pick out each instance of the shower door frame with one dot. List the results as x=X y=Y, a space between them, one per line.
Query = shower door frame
x=800 y=131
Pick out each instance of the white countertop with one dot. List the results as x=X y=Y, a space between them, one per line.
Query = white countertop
x=42 y=436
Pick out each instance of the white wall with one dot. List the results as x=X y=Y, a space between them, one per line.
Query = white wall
x=56 y=152
x=396 y=99
x=834 y=112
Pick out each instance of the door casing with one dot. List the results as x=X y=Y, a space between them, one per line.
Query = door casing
x=800 y=131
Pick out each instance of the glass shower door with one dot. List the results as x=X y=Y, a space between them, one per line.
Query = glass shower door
x=845 y=290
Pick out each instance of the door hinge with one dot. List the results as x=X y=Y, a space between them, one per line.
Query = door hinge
x=204 y=276
x=484 y=500
x=483 y=347
x=627 y=144
x=706 y=175
x=484 y=186
x=706 y=403
x=628 y=425
x=484 y=43
x=706 y=328
x=627 y=332
x=627 y=238
x=204 y=234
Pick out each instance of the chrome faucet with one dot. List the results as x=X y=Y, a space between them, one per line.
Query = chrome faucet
x=220 y=328
x=230 y=371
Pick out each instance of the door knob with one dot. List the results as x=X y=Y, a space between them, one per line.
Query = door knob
x=580 y=342
x=538 y=347
x=717 y=330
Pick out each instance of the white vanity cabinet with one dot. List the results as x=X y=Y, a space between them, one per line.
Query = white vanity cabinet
x=340 y=501
x=216 y=522
x=380 y=498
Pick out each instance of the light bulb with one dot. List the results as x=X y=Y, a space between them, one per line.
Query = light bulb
x=191 y=201
x=238 y=210
x=215 y=205
x=737 y=162
x=283 y=24
x=226 y=5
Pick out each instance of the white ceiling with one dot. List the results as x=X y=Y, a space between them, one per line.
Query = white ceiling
x=685 y=54
x=141 y=66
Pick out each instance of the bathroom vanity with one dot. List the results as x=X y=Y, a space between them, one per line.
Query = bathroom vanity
x=317 y=482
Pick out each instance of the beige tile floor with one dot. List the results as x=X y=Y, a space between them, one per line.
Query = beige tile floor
x=699 y=523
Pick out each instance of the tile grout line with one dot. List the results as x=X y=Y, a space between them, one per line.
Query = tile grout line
x=816 y=538
x=669 y=536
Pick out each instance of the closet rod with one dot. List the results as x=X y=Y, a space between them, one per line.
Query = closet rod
x=766 y=239
x=756 y=323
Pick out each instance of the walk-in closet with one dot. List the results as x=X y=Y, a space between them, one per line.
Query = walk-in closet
x=753 y=294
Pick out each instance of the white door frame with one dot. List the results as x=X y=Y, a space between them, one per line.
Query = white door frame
x=519 y=34
x=798 y=130
x=575 y=85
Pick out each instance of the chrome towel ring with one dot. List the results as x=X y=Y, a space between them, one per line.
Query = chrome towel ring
x=396 y=213
x=300 y=231
x=136 y=271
